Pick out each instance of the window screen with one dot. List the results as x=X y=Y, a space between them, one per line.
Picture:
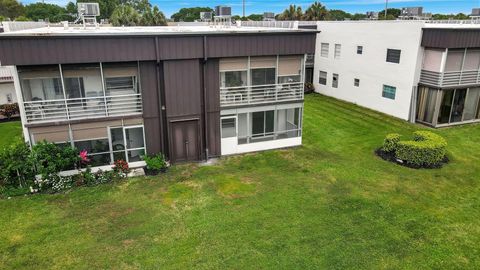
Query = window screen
x=393 y=56
x=323 y=78
x=359 y=49
x=324 y=50
x=335 y=80
x=356 y=82
x=338 y=49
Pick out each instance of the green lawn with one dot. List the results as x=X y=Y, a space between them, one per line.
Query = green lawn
x=10 y=132
x=330 y=204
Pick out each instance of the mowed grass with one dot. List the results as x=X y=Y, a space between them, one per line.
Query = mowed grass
x=10 y=132
x=330 y=204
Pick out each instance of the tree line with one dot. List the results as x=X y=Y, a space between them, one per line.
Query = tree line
x=141 y=12
x=118 y=12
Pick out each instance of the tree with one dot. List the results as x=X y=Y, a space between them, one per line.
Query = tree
x=71 y=8
x=358 y=16
x=49 y=12
x=255 y=17
x=189 y=14
x=316 y=12
x=125 y=15
x=392 y=14
x=292 y=13
x=11 y=9
x=339 y=15
x=153 y=17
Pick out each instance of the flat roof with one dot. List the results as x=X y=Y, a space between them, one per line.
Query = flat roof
x=148 y=30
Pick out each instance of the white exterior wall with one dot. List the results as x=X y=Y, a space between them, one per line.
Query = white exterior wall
x=7 y=89
x=371 y=66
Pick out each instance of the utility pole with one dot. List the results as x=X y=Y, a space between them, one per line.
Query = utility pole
x=386 y=8
x=244 y=8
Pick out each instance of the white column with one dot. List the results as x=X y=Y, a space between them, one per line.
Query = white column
x=21 y=105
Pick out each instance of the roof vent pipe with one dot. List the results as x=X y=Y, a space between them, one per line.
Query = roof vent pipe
x=65 y=25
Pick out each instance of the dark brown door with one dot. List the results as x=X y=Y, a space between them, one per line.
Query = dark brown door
x=185 y=141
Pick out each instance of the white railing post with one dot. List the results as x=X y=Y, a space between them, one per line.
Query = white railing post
x=103 y=89
x=64 y=92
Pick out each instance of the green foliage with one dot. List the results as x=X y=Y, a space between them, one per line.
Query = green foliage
x=391 y=141
x=392 y=14
x=51 y=159
x=71 y=8
x=47 y=12
x=125 y=15
x=153 y=17
x=292 y=13
x=189 y=14
x=8 y=110
x=255 y=17
x=316 y=12
x=22 y=19
x=10 y=9
x=2 y=18
x=426 y=148
x=339 y=15
x=16 y=166
x=156 y=162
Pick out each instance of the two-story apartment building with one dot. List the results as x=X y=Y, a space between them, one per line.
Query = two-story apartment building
x=414 y=70
x=188 y=92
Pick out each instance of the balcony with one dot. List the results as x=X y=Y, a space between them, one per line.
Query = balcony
x=450 y=79
x=82 y=108
x=249 y=95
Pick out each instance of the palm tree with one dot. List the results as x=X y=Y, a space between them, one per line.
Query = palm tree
x=292 y=13
x=125 y=15
x=316 y=12
x=153 y=17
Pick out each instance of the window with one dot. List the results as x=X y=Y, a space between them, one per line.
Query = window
x=233 y=78
x=263 y=76
x=121 y=79
x=121 y=85
x=359 y=49
x=389 y=91
x=356 y=82
x=322 y=78
x=127 y=143
x=229 y=128
x=262 y=123
x=98 y=150
x=324 y=50
x=338 y=49
x=289 y=79
x=335 y=80
x=393 y=56
x=9 y=98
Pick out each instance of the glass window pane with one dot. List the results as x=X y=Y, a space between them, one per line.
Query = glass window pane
x=118 y=142
x=134 y=137
x=472 y=103
x=121 y=78
x=454 y=60
x=335 y=80
x=93 y=146
x=119 y=156
x=135 y=155
x=40 y=83
x=427 y=99
x=445 y=107
x=322 y=78
x=458 y=105
x=82 y=80
x=258 y=122
x=99 y=159
x=389 y=92
x=289 y=79
x=234 y=78
x=262 y=76
x=269 y=121
x=228 y=128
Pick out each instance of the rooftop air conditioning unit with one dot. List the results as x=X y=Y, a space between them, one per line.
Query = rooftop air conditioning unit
x=88 y=9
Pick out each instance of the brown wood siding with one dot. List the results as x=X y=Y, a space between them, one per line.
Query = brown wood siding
x=451 y=38
x=41 y=50
x=151 y=107
x=212 y=87
x=182 y=88
x=255 y=45
x=54 y=50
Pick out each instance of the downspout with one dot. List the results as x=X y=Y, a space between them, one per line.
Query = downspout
x=159 y=90
x=205 y=121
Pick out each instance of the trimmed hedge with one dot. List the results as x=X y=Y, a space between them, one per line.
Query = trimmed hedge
x=426 y=148
x=391 y=141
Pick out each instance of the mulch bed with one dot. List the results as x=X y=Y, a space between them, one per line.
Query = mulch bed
x=390 y=156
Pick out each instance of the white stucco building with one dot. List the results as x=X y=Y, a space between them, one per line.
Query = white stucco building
x=370 y=63
x=7 y=88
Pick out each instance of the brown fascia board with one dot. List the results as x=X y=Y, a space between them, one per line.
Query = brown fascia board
x=453 y=38
x=79 y=121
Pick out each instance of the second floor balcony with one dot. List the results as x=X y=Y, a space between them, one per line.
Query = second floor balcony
x=247 y=95
x=450 y=78
x=72 y=92
x=6 y=74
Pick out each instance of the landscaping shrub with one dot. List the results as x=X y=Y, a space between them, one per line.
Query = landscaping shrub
x=390 y=142
x=16 y=166
x=121 y=167
x=52 y=159
x=427 y=148
x=309 y=88
x=155 y=164
x=8 y=110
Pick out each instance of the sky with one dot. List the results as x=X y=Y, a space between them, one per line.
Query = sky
x=277 y=6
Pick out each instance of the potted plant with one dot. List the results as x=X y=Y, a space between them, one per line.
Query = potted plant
x=155 y=164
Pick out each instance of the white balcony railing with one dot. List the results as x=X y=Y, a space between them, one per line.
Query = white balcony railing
x=82 y=108
x=5 y=75
x=246 y=95
x=451 y=78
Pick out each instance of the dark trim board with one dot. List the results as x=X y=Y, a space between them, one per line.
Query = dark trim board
x=451 y=38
